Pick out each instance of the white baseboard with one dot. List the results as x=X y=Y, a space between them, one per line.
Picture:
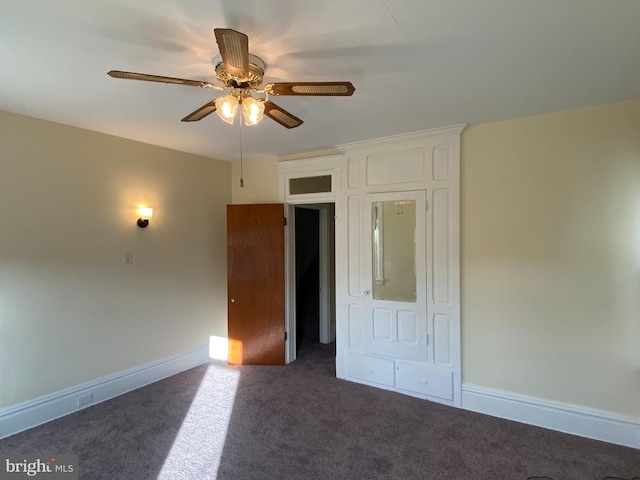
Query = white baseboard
x=43 y=409
x=574 y=419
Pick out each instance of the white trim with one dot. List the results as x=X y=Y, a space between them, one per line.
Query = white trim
x=326 y=258
x=451 y=130
x=325 y=165
x=309 y=164
x=43 y=409
x=290 y=284
x=563 y=417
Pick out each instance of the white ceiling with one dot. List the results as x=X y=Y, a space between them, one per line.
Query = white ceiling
x=416 y=64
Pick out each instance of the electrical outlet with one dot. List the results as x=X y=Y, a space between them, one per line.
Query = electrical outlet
x=84 y=399
x=128 y=258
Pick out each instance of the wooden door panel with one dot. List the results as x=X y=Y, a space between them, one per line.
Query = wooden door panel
x=255 y=279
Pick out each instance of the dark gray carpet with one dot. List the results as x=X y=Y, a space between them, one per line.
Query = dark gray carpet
x=300 y=422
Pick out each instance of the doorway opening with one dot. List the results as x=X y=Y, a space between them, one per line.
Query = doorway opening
x=315 y=319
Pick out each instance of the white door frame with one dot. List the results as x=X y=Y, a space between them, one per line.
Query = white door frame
x=327 y=286
x=332 y=165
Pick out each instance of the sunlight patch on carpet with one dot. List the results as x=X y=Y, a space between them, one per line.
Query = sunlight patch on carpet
x=198 y=446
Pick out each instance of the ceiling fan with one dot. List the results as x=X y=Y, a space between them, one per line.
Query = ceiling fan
x=242 y=73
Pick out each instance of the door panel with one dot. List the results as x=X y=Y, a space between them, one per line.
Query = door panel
x=255 y=282
x=394 y=274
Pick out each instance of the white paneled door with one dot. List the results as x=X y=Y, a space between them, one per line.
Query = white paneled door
x=394 y=276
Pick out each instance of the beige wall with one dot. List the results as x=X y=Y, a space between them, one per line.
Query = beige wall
x=551 y=256
x=70 y=310
x=260 y=182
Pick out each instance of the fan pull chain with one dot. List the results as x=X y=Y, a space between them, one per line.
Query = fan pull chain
x=241 y=179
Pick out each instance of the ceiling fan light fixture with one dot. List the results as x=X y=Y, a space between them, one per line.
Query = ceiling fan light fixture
x=252 y=110
x=226 y=108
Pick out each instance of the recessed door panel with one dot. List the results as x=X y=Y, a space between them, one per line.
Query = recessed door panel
x=407 y=327
x=381 y=324
x=354 y=265
x=441 y=247
x=355 y=325
x=441 y=162
x=396 y=167
x=442 y=339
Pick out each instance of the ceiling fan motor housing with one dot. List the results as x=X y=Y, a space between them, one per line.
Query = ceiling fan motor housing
x=252 y=80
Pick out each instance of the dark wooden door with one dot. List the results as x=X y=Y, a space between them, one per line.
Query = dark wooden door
x=255 y=279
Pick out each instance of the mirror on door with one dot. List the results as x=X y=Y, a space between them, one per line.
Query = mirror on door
x=394 y=250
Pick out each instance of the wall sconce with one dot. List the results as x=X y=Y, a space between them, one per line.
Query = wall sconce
x=145 y=215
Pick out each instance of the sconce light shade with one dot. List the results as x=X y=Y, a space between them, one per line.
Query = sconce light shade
x=252 y=110
x=145 y=215
x=226 y=107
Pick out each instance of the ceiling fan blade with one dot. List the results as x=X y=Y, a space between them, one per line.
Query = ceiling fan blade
x=340 y=89
x=234 y=50
x=202 y=112
x=157 y=78
x=280 y=115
